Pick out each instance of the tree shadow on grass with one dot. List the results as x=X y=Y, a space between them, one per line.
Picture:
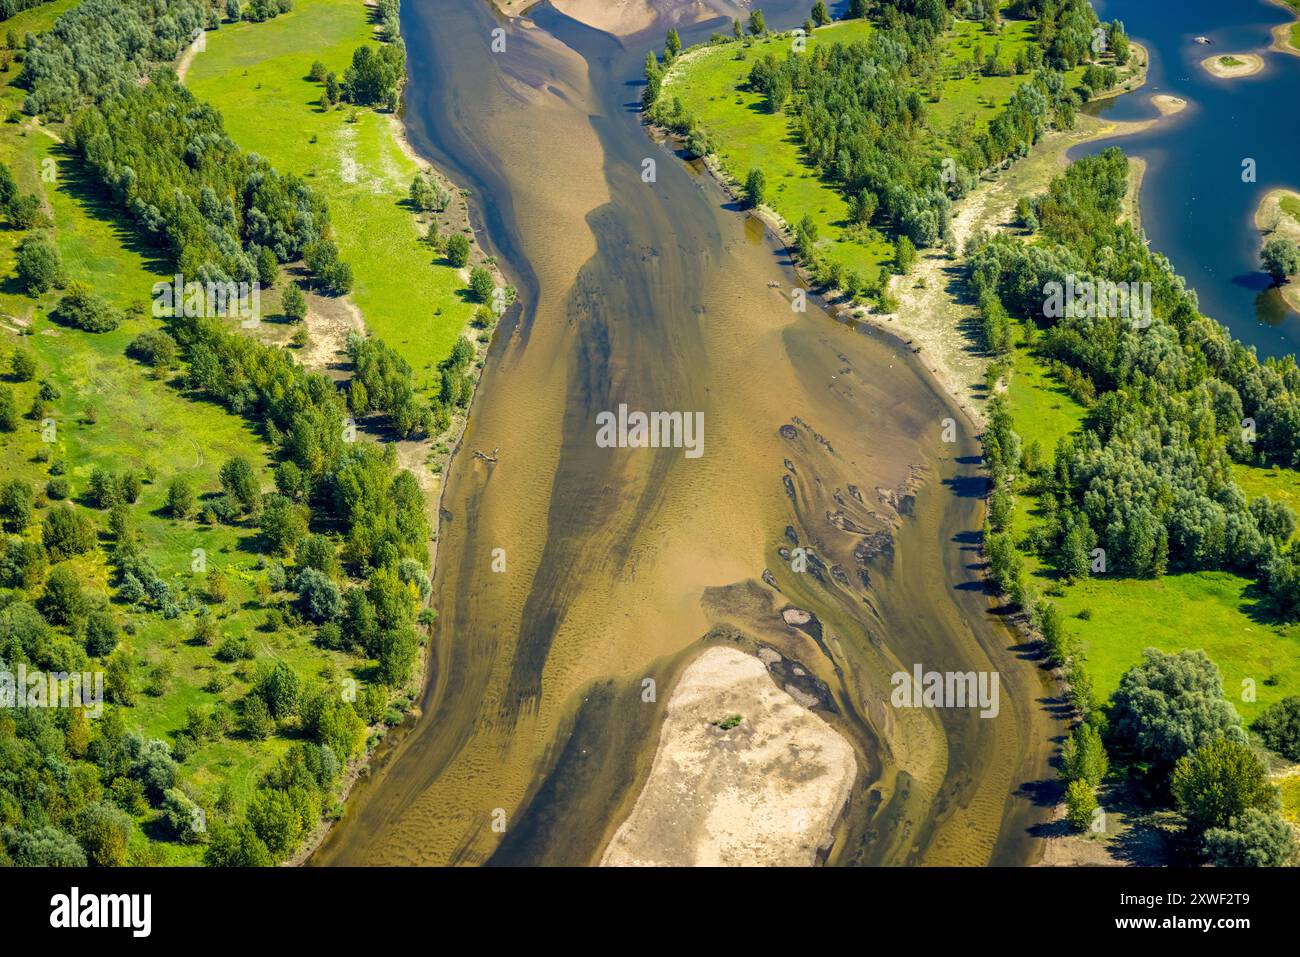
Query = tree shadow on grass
x=76 y=179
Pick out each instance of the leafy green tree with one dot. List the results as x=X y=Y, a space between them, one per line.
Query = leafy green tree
x=1080 y=804
x=672 y=45
x=63 y=602
x=103 y=831
x=904 y=255
x=281 y=689
x=236 y=845
x=1252 y=839
x=757 y=24
x=17 y=502
x=239 y=481
x=1083 y=756
x=319 y=598
x=66 y=532
x=156 y=348
x=481 y=284
x=820 y=15
x=102 y=633
x=1169 y=705
x=283 y=524
x=1279 y=727
x=1218 y=782
x=1280 y=258
x=458 y=249
x=23 y=365
x=181 y=499
x=755 y=185
x=255 y=718
x=39 y=267
x=8 y=410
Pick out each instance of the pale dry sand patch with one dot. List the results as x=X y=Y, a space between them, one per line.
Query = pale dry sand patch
x=1168 y=105
x=767 y=791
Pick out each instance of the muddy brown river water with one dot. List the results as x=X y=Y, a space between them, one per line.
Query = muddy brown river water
x=621 y=565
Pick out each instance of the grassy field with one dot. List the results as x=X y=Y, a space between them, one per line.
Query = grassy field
x=111 y=412
x=712 y=84
x=1115 y=618
x=256 y=74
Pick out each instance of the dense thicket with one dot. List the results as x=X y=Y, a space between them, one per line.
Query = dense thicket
x=1148 y=478
x=99 y=43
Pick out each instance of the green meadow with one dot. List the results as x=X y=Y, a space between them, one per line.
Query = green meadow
x=112 y=412
x=1115 y=618
x=256 y=74
x=712 y=83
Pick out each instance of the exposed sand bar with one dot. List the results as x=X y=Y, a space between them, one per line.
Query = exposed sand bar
x=764 y=792
x=1230 y=66
x=1168 y=105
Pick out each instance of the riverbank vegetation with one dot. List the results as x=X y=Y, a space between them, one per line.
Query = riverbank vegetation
x=188 y=511
x=852 y=169
x=1116 y=520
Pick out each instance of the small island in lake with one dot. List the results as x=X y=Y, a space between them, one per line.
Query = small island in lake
x=1229 y=66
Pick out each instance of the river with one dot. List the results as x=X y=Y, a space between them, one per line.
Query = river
x=534 y=734
x=1196 y=208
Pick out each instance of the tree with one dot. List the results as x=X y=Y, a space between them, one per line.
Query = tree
x=63 y=602
x=8 y=410
x=180 y=497
x=155 y=348
x=66 y=532
x=1280 y=258
x=904 y=255
x=239 y=481
x=283 y=524
x=255 y=718
x=458 y=249
x=39 y=267
x=232 y=10
x=481 y=284
x=16 y=503
x=1218 y=782
x=1252 y=839
x=820 y=15
x=236 y=845
x=1279 y=727
x=757 y=25
x=1080 y=804
x=1083 y=758
x=319 y=597
x=280 y=688
x=1172 y=704
x=672 y=45
x=102 y=633
x=318 y=72
x=858 y=10
x=103 y=831
x=80 y=307
x=23 y=365
x=755 y=184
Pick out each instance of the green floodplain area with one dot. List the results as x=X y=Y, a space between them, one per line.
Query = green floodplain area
x=712 y=83
x=111 y=413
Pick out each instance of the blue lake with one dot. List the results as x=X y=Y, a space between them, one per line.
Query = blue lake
x=1196 y=208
